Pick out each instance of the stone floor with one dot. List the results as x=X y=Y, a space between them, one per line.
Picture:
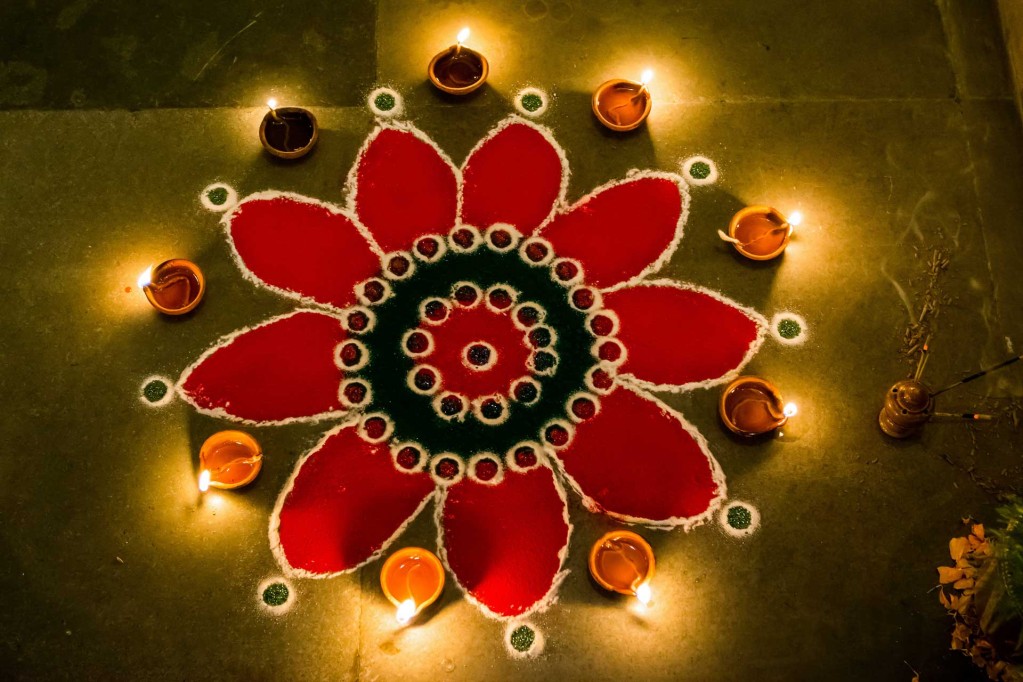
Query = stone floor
x=890 y=125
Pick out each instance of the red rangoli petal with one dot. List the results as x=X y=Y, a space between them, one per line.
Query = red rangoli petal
x=405 y=189
x=639 y=462
x=345 y=504
x=283 y=369
x=505 y=543
x=513 y=177
x=704 y=339
x=302 y=247
x=622 y=231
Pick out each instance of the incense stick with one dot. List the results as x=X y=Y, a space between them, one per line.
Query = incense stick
x=978 y=375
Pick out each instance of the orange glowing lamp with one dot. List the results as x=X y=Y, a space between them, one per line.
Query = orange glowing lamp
x=229 y=459
x=173 y=287
x=412 y=578
x=621 y=561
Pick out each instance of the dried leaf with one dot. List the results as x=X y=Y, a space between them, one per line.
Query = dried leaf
x=947 y=574
x=978 y=530
x=957 y=547
x=944 y=599
x=963 y=584
x=974 y=541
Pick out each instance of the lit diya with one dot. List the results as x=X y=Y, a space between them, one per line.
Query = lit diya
x=174 y=287
x=760 y=232
x=751 y=406
x=458 y=70
x=622 y=104
x=288 y=132
x=229 y=459
x=622 y=561
x=412 y=578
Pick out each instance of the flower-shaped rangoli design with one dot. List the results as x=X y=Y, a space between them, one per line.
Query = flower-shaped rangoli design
x=479 y=342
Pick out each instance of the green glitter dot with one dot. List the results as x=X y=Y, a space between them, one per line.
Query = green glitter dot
x=532 y=102
x=522 y=638
x=217 y=196
x=276 y=594
x=155 y=390
x=385 y=101
x=789 y=328
x=700 y=170
x=739 y=518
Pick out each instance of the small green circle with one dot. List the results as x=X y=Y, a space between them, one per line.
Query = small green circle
x=522 y=638
x=276 y=594
x=217 y=196
x=700 y=170
x=155 y=390
x=385 y=101
x=532 y=101
x=739 y=518
x=789 y=328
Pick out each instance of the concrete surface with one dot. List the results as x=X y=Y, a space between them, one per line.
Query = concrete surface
x=892 y=126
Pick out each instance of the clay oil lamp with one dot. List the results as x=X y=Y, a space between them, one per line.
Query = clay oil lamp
x=621 y=561
x=412 y=578
x=229 y=459
x=623 y=104
x=458 y=70
x=761 y=232
x=751 y=406
x=288 y=132
x=174 y=287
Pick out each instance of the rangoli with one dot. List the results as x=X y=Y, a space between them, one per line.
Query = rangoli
x=480 y=344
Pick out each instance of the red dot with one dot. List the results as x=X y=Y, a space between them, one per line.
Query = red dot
x=525 y=457
x=373 y=290
x=424 y=379
x=451 y=405
x=502 y=239
x=556 y=435
x=536 y=251
x=398 y=265
x=350 y=354
x=464 y=238
x=602 y=325
x=583 y=299
x=408 y=457
x=602 y=379
x=466 y=295
x=355 y=393
x=447 y=468
x=358 y=321
x=610 y=351
x=417 y=342
x=428 y=247
x=566 y=270
x=376 y=427
x=435 y=310
x=500 y=299
x=486 y=469
x=584 y=408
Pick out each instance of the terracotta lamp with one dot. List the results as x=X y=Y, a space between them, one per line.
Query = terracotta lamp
x=458 y=70
x=288 y=132
x=623 y=104
x=751 y=406
x=621 y=561
x=412 y=578
x=760 y=232
x=229 y=459
x=174 y=287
